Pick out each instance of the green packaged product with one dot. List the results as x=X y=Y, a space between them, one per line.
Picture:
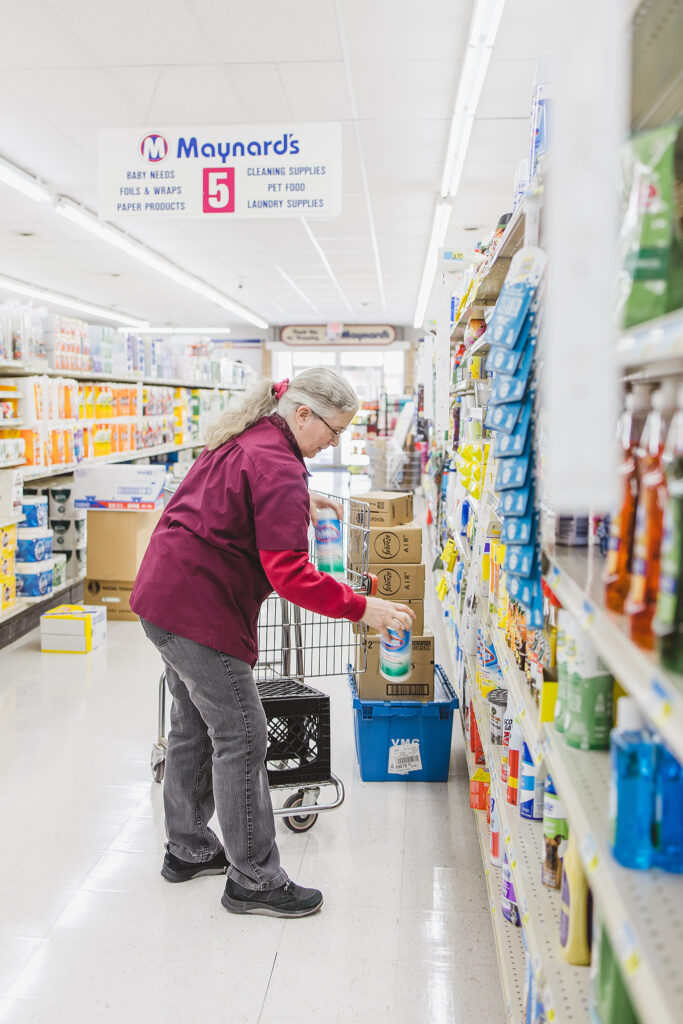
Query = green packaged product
x=668 y=622
x=651 y=277
x=589 y=714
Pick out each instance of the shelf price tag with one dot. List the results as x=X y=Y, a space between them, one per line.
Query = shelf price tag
x=524 y=910
x=537 y=753
x=627 y=950
x=587 y=617
x=589 y=853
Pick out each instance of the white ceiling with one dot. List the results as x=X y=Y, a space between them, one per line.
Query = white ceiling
x=71 y=67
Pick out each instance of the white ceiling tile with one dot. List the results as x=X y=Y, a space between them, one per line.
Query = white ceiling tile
x=317 y=90
x=405 y=90
x=507 y=89
x=495 y=139
x=403 y=30
x=527 y=29
x=268 y=31
x=399 y=141
x=195 y=96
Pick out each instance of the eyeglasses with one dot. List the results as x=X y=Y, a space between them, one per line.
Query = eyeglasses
x=336 y=433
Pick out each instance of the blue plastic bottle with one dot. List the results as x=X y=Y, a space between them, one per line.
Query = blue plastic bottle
x=631 y=787
x=668 y=815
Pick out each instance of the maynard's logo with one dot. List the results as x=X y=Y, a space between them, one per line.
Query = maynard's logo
x=153 y=149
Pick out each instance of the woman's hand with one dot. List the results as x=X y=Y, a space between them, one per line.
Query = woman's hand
x=381 y=615
x=319 y=502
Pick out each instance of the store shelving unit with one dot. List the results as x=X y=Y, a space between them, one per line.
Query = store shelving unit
x=564 y=987
x=8 y=369
x=575 y=576
x=24 y=615
x=46 y=472
x=653 y=342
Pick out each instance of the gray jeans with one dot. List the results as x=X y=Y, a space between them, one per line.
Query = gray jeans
x=216 y=760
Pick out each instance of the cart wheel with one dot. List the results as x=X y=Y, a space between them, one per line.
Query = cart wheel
x=300 y=822
x=158 y=771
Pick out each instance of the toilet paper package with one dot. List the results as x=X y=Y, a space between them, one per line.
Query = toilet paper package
x=34 y=511
x=34 y=580
x=34 y=544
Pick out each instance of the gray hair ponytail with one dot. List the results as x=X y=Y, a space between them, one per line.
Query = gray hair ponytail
x=322 y=390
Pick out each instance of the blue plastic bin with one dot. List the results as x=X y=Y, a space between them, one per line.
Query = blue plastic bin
x=389 y=735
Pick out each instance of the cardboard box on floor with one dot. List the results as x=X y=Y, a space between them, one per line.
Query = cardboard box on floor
x=418 y=625
x=398 y=582
x=419 y=685
x=114 y=595
x=117 y=542
x=387 y=508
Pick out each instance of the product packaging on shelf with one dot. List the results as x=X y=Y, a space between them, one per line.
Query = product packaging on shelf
x=34 y=544
x=387 y=508
x=69 y=534
x=555 y=835
x=128 y=487
x=34 y=580
x=479 y=789
x=34 y=511
x=631 y=798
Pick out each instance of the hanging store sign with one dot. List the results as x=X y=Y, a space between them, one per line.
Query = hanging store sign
x=320 y=335
x=282 y=170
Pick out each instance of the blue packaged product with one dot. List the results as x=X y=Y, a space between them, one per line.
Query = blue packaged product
x=503 y=417
x=34 y=579
x=513 y=473
x=515 y=442
x=513 y=388
x=33 y=545
x=631 y=789
x=517 y=503
x=520 y=560
x=668 y=816
x=518 y=530
x=507 y=361
x=34 y=511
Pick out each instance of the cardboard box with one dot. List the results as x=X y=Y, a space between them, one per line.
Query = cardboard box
x=387 y=508
x=114 y=595
x=420 y=684
x=119 y=487
x=396 y=544
x=117 y=542
x=418 y=625
x=398 y=582
x=73 y=628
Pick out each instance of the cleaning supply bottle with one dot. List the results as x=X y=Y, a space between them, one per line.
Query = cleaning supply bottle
x=631 y=792
x=618 y=567
x=514 y=755
x=589 y=714
x=495 y=854
x=531 y=789
x=555 y=835
x=667 y=831
x=668 y=623
x=577 y=911
x=507 y=729
x=610 y=1001
x=508 y=901
x=641 y=600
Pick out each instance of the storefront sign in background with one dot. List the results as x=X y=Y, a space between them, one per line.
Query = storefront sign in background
x=319 y=335
x=281 y=170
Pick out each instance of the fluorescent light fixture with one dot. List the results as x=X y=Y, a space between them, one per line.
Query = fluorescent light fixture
x=180 y=330
x=482 y=36
x=56 y=299
x=442 y=215
x=23 y=182
x=84 y=219
x=298 y=290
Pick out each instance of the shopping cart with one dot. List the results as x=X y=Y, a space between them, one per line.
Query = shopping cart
x=294 y=645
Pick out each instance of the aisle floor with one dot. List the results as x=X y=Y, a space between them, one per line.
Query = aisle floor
x=89 y=930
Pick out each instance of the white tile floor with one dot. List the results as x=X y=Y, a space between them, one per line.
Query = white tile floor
x=90 y=931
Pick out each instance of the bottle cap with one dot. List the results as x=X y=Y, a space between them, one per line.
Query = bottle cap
x=628 y=714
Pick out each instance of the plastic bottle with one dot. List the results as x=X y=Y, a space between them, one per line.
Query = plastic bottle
x=531 y=789
x=589 y=714
x=495 y=854
x=514 y=755
x=507 y=728
x=667 y=832
x=631 y=787
x=329 y=545
x=642 y=596
x=618 y=568
x=668 y=623
x=555 y=835
x=610 y=1001
x=508 y=901
x=576 y=911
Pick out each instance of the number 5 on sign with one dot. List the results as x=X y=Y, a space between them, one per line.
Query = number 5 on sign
x=219 y=190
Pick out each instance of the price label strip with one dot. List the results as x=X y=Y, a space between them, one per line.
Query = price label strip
x=587 y=616
x=589 y=854
x=662 y=701
x=627 y=950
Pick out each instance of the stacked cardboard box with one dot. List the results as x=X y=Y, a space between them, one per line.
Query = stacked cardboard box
x=117 y=542
x=395 y=558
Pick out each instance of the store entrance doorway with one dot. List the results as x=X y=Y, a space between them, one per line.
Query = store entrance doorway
x=370 y=372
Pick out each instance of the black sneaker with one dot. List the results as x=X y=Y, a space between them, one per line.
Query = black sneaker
x=177 y=870
x=288 y=900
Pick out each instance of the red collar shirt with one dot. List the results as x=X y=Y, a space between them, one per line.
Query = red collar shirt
x=203 y=574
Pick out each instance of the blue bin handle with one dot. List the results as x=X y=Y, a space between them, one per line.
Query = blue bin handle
x=446 y=683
